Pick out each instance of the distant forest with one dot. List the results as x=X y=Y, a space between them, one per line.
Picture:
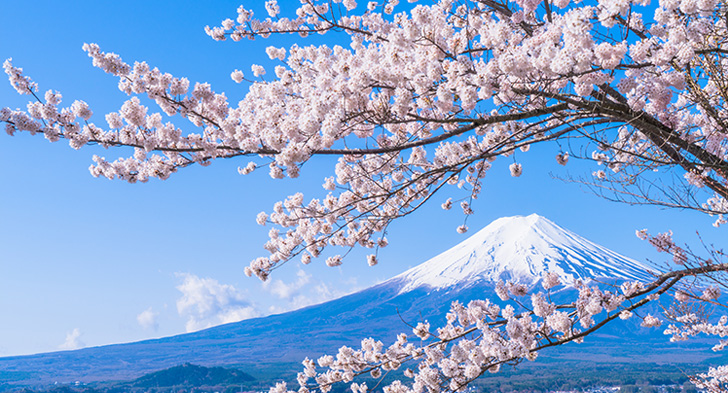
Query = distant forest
x=527 y=378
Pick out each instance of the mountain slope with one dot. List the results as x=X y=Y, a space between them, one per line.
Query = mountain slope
x=520 y=248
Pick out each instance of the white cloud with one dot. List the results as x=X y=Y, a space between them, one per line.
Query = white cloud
x=288 y=291
x=206 y=303
x=304 y=291
x=148 y=319
x=73 y=340
x=325 y=293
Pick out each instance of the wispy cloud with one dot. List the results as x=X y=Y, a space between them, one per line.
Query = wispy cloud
x=73 y=340
x=323 y=292
x=148 y=319
x=288 y=291
x=302 y=292
x=205 y=303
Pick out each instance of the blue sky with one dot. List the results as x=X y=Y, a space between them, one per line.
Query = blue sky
x=86 y=261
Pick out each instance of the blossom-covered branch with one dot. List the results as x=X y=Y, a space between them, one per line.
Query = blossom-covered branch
x=425 y=99
x=482 y=336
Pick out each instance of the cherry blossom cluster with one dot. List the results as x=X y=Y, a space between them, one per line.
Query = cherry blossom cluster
x=423 y=100
x=691 y=324
x=714 y=381
x=484 y=335
x=663 y=242
x=21 y=84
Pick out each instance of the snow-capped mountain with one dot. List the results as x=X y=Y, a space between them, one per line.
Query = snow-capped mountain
x=521 y=249
x=517 y=248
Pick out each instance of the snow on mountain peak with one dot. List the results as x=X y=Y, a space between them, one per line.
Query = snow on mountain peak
x=521 y=249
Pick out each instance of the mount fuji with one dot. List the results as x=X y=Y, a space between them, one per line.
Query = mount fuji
x=519 y=248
